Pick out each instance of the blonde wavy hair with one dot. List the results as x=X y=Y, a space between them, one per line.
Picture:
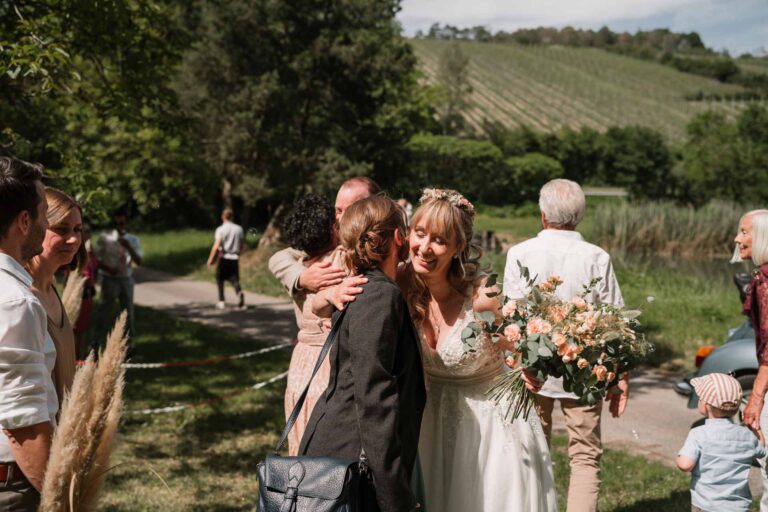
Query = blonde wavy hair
x=448 y=214
x=367 y=231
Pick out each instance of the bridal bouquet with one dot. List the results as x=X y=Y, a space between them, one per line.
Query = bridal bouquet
x=590 y=346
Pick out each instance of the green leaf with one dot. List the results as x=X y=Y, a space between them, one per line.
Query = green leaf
x=487 y=317
x=544 y=351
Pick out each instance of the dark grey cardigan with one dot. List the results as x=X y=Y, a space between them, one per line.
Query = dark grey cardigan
x=376 y=378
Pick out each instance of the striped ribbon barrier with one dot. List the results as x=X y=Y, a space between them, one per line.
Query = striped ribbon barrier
x=221 y=398
x=200 y=362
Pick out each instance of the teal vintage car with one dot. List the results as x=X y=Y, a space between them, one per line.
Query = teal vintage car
x=736 y=356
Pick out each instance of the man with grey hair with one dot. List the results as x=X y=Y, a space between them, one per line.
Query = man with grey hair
x=561 y=250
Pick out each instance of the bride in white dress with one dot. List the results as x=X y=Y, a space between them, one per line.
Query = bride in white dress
x=472 y=459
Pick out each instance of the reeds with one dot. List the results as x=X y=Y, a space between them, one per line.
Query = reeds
x=83 y=441
x=667 y=229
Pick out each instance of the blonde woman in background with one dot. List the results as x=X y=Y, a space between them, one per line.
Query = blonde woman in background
x=62 y=248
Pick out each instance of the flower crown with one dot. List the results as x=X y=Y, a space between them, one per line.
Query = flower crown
x=453 y=197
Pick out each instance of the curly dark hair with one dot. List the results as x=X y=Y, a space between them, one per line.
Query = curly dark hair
x=309 y=227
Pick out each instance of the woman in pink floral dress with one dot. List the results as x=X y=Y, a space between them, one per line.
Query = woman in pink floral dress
x=309 y=228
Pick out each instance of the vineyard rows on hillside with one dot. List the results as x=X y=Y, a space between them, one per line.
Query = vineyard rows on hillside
x=549 y=87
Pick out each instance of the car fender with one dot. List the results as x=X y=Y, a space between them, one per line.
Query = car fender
x=737 y=357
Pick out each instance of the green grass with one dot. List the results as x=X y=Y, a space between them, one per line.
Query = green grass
x=548 y=87
x=629 y=483
x=177 y=252
x=208 y=455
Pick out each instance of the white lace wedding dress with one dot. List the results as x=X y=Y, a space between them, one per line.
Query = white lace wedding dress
x=472 y=459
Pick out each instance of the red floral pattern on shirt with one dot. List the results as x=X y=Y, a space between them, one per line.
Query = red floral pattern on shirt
x=756 y=307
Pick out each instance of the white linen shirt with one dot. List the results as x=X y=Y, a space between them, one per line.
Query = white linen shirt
x=111 y=253
x=27 y=356
x=565 y=254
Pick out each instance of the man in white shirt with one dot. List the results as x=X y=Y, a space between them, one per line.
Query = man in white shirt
x=28 y=402
x=227 y=245
x=287 y=266
x=560 y=250
x=117 y=251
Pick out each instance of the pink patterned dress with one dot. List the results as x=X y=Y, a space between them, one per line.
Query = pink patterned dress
x=312 y=335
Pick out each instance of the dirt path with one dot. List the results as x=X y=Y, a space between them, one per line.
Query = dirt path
x=655 y=424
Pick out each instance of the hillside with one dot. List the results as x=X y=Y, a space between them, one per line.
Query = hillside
x=548 y=87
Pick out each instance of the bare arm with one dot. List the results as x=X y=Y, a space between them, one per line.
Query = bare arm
x=214 y=250
x=30 y=447
x=135 y=255
x=756 y=401
x=685 y=464
x=337 y=296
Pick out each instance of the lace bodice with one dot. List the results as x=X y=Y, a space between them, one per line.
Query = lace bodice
x=449 y=362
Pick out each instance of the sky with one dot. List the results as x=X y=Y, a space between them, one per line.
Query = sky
x=736 y=25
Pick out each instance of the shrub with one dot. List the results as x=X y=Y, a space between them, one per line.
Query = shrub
x=473 y=167
x=527 y=174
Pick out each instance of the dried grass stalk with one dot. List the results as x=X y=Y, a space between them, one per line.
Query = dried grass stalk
x=72 y=298
x=87 y=429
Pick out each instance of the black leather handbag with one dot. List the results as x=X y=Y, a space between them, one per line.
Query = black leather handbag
x=306 y=483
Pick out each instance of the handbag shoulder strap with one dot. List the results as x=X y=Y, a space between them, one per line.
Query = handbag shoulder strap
x=300 y=402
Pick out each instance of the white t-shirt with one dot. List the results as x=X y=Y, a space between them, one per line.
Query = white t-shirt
x=27 y=356
x=567 y=255
x=230 y=236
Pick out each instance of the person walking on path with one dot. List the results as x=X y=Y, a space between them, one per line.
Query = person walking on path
x=560 y=250
x=227 y=246
x=287 y=265
x=28 y=401
x=117 y=251
x=719 y=453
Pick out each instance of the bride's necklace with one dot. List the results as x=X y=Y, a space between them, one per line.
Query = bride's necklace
x=436 y=323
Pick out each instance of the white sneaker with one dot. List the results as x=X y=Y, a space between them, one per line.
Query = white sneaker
x=220 y=305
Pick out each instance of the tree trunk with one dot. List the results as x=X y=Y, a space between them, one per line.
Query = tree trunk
x=226 y=193
x=245 y=217
x=272 y=232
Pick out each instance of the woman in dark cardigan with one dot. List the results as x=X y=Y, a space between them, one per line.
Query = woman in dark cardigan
x=375 y=396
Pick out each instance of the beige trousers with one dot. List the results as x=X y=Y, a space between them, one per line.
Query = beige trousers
x=584 y=448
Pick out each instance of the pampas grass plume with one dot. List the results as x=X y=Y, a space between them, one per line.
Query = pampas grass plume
x=72 y=298
x=83 y=441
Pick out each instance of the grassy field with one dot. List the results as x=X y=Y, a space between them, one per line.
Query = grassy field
x=207 y=456
x=548 y=87
x=758 y=66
